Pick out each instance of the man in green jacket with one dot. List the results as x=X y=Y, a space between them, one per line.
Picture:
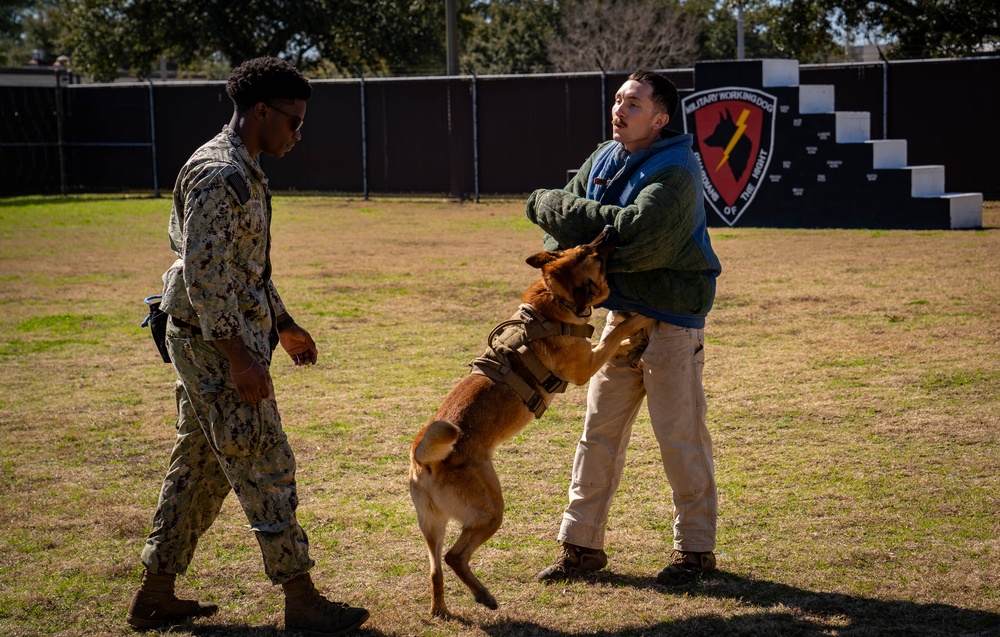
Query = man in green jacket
x=647 y=183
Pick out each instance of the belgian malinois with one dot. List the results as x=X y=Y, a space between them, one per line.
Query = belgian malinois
x=451 y=471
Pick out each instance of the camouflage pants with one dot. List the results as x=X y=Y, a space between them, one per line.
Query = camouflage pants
x=224 y=444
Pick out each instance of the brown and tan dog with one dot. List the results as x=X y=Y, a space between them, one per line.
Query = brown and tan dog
x=451 y=471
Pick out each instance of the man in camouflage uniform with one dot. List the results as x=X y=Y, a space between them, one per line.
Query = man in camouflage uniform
x=226 y=317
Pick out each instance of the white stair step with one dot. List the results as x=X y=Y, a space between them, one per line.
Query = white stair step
x=816 y=98
x=926 y=181
x=780 y=72
x=853 y=126
x=888 y=153
x=965 y=209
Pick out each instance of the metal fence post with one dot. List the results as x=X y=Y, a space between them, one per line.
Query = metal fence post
x=152 y=139
x=364 y=139
x=60 y=90
x=475 y=136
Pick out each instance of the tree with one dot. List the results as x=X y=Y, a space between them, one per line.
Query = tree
x=718 y=28
x=348 y=36
x=387 y=37
x=107 y=35
x=11 y=14
x=509 y=36
x=798 y=29
x=98 y=37
x=26 y=26
x=924 y=28
x=620 y=35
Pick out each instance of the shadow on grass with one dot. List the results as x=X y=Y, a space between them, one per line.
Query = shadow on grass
x=242 y=630
x=786 y=610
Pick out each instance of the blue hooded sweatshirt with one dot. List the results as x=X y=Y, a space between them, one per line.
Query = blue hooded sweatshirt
x=664 y=266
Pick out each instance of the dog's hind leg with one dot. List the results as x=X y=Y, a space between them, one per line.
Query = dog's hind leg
x=433 y=528
x=458 y=558
x=477 y=527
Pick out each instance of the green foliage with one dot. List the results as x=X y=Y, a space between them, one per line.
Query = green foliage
x=27 y=28
x=718 y=28
x=99 y=35
x=856 y=459
x=340 y=36
x=11 y=31
x=924 y=28
x=509 y=36
x=406 y=37
x=792 y=29
x=800 y=29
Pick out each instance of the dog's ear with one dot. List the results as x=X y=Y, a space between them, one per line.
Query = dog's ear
x=541 y=258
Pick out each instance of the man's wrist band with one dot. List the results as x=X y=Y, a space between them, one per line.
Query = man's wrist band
x=284 y=325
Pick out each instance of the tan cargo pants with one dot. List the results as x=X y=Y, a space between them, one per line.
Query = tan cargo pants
x=664 y=365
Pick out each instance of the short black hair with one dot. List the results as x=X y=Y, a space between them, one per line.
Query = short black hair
x=263 y=79
x=664 y=92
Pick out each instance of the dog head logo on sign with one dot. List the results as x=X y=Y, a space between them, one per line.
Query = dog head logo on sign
x=733 y=130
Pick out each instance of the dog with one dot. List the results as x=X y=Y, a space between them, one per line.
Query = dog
x=451 y=469
x=723 y=135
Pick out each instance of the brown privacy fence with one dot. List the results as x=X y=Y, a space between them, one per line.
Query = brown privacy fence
x=464 y=136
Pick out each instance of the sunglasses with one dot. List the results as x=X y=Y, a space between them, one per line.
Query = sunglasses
x=296 y=121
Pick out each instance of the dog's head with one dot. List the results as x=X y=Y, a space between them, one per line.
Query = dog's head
x=577 y=277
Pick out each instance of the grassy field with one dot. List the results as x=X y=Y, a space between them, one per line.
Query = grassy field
x=853 y=380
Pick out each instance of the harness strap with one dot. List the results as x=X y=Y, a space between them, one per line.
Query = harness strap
x=503 y=345
x=549 y=381
x=539 y=327
x=504 y=374
x=514 y=344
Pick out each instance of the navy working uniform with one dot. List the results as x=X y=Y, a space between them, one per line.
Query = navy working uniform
x=219 y=288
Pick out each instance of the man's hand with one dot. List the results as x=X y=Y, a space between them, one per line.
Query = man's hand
x=299 y=345
x=250 y=377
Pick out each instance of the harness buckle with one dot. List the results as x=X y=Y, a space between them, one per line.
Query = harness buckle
x=551 y=383
x=534 y=403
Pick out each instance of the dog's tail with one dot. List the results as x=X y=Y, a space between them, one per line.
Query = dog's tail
x=435 y=442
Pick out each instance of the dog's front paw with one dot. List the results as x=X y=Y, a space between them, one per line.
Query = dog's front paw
x=636 y=323
x=440 y=610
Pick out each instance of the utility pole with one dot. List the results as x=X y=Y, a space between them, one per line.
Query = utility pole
x=739 y=30
x=454 y=88
x=451 y=18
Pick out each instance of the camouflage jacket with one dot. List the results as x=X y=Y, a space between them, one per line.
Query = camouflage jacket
x=220 y=231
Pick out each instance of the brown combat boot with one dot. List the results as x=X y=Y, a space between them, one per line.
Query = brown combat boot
x=686 y=567
x=155 y=605
x=574 y=561
x=307 y=611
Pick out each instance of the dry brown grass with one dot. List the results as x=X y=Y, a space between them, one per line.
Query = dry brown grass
x=853 y=382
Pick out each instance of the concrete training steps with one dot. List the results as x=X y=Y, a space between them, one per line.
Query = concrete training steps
x=778 y=154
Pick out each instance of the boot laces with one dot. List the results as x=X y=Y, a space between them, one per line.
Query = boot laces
x=319 y=601
x=568 y=557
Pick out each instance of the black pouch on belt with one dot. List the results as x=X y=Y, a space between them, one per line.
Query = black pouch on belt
x=156 y=321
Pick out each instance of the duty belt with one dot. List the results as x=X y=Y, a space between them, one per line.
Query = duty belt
x=508 y=342
x=194 y=329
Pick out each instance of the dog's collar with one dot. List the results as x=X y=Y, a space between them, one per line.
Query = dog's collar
x=569 y=306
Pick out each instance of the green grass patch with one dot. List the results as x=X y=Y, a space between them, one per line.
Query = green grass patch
x=853 y=390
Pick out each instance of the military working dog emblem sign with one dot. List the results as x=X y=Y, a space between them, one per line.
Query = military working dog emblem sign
x=733 y=130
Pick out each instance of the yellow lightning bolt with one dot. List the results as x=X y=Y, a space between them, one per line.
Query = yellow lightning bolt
x=741 y=125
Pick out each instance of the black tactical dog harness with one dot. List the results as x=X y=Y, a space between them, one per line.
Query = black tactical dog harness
x=509 y=360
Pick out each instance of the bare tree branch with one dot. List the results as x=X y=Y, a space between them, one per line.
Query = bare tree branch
x=623 y=35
